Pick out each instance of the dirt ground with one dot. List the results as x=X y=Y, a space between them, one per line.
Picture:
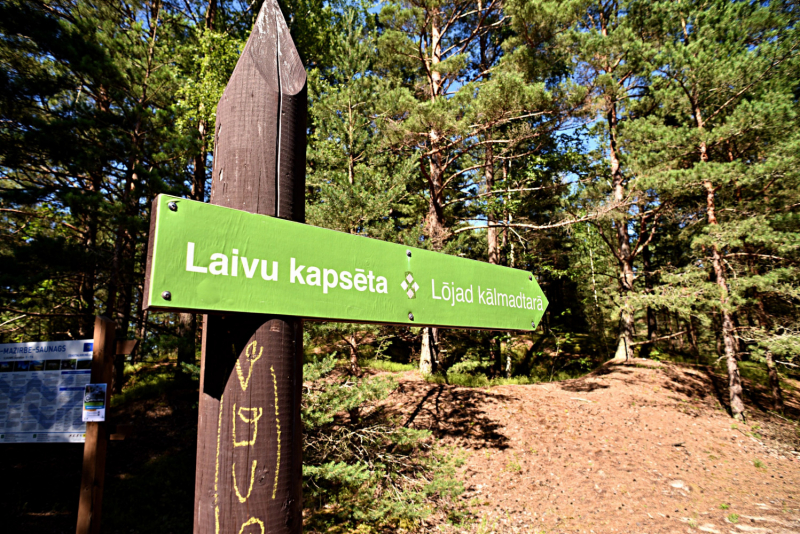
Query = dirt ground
x=640 y=447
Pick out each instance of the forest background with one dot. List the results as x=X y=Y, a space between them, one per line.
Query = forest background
x=640 y=158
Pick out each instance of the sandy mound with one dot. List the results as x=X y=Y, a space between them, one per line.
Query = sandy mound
x=635 y=447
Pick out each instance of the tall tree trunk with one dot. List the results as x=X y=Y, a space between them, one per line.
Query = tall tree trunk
x=652 y=325
x=187 y=322
x=141 y=328
x=626 y=326
x=187 y=330
x=728 y=337
x=118 y=303
x=492 y=236
x=120 y=292
x=775 y=385
x=506 y=216
x=352 y=344
x=772 y=372
x=434 y=220
x=126 y=304
x=89 y=275
x=693 y=338
x=428 y=362
x=623 y=251
x=491 y=219
x=508 y=359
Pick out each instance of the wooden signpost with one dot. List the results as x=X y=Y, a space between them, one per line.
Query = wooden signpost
x=258 y=276
x=94 y=448
x=105 y=347
x=249 y=449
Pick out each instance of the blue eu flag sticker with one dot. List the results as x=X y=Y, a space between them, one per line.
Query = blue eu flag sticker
x=87 y=347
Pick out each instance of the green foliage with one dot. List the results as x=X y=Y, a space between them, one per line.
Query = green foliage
x=208 y=59
x=191 y=370
x=359 y=466
x=355 y=178
x=756 y=372
x=383 y=365
x=151 y=379
x=86 y=112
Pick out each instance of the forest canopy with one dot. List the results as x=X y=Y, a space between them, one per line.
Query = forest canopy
x=640 y=158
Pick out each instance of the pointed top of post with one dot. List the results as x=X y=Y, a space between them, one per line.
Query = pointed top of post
x=271 y=48
x=260 y=140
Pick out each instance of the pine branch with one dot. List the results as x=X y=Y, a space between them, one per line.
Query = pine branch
x=561 y=224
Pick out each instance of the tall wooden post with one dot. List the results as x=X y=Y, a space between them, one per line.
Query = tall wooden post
x=249 y=466
x=94 y=449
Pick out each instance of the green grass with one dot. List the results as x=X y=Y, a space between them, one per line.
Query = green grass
x=513 y=466
x=724 y=506
x=759 y=464
x=757 y=372
x=460 y=375
x=471 y=367
x=514 y=380
x=460 y=379
x=146 y=385
x=384 y=365
x=478 y=381
x=733 y=518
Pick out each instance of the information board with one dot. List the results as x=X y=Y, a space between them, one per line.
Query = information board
x=210 y=258
x=42 y=388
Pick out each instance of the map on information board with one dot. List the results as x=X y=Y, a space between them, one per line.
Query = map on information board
x=42 y=386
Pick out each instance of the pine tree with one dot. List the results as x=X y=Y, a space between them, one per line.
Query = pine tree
x=717 y=149
x=609 y=54
x=83 y=136
x=357 y=182
x=426 y=44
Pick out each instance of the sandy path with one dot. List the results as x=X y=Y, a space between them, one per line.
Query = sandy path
x=640 y=447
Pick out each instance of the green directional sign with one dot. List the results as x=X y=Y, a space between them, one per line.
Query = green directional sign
x=207 y=258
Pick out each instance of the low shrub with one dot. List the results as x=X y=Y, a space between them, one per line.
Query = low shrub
x=362 y=469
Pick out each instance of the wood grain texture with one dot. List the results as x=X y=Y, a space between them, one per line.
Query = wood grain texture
x=126 y=346
x=260 y=138
x=150 y=245
x=269 y=354
x=249 y=463
x=94 y=448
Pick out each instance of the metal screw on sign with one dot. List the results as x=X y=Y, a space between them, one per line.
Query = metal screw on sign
x=533 y=324
x=166 y=295
x=530 y=277
x=408 y=253
x=410 y=316
x=173 y=206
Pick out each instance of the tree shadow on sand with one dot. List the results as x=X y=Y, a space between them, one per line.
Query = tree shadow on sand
x=452 y=412
x=696 y=383
x=589 y=383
